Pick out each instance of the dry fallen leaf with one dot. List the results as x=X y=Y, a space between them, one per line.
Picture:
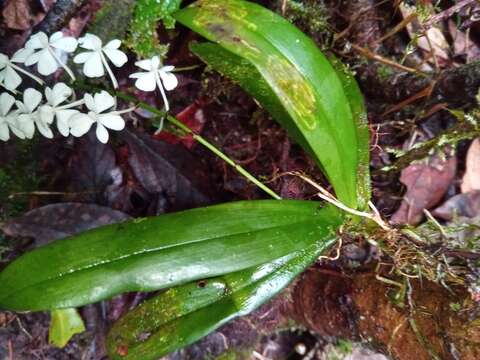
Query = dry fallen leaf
x=18 y=15
x=431 y=39
x=465 y=205
x=471 y=179
x=462 y=45
x=58 y=221
x=426 y=184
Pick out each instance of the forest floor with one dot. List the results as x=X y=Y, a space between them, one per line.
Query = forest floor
x=418 y=65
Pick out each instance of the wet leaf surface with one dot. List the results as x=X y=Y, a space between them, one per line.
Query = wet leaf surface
x=426 y=184
x=58 y=221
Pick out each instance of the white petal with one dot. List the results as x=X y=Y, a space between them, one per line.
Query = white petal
x=47 y=64
x=55 y=36
x=21 y=55
x=80 y=124
x=90 y=42
x=112 y=121
x=33 y=58
x=4 y=132
x=11 y=79
x=15 y=128
x=6 y=103
x=31 y=99
x=103 y=101
x=167 y=68
x=144 y=64
x=59 y=94
x=46 y=113
x=44 y=129
x=145 y=81
x=155 y=62
x=3 y=60
x=26 y=125
x=37 y=41
x=113 y=44
x=169 y=80
x=63 y=120
x=102 y=133
x=67 y=44
x=117 y=57
x=82 y=57
x=93 y=67
x=90 y=102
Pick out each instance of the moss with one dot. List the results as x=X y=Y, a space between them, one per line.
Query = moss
x=143 y=38
x=309 y=15
x=19 y=175
x=113 y=19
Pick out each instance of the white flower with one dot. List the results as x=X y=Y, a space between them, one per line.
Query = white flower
x=29 y=117
x=46 y=52
x=8 y=119
x=9 y=77
x=95 y=62
x=52 y=108
x=156 y=75
x=81 y=123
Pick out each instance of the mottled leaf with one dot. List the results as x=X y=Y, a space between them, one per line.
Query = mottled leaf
x=304 y=82
x=184 y=314
x=465 y=205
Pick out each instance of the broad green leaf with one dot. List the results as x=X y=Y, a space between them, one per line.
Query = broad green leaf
x=182 y=315
x=161 y=252
x=63 y=325
x=143 y=39
x=301 y=77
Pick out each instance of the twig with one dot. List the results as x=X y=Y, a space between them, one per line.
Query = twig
x=373 y=56
x=447 y=13
x=58 y=16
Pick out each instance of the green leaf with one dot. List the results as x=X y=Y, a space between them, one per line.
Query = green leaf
x=357 y=106
x=64 y=324
x=301 y=77
x=182 y=315
x=143 y=38
x=168 y=250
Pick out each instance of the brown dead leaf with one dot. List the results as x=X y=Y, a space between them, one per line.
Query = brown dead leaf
x=465 y=205
x=431 y=39
x=462 y=45
x=57 y=221
x=19 y=15
x=426 y=184
x=471 y=178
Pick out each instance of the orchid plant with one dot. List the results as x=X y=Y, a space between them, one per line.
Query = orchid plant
x=22 y=117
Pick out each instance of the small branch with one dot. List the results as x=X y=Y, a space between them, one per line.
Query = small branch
x=463 y=130
x=447 y=13
x=58 y=16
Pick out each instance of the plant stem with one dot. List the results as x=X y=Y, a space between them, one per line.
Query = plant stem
x=30 y=75
x=462 y=130
x=204 y=142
